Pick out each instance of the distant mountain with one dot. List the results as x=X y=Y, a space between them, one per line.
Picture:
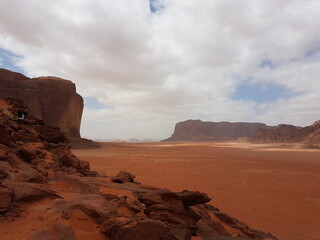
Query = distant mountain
x=197 y=130
x=310 y=135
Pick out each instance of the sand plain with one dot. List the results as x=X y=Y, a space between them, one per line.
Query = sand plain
x=271 y=187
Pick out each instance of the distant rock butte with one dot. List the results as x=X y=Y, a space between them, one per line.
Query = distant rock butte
x=197 y=130
x=49 y=98
x=310 y=135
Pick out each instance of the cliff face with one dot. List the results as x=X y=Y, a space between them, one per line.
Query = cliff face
x=49 y=98
x=289 y=133
x=197 y=130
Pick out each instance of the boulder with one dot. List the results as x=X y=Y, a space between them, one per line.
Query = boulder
x=168 y=207
x=190 y=198
x=123 y=177
x=26 y=155
x=161 y=199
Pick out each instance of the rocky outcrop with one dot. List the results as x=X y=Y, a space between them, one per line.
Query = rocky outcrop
x=309 y=135
x=61 y=198
x=197 y=130
x=49 y=98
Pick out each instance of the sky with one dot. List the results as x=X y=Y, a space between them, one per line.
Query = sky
x=142 y=66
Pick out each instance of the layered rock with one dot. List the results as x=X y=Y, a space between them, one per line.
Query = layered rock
x=49 y=98
x=309 y=135
x=60 y=198
x=197 y=130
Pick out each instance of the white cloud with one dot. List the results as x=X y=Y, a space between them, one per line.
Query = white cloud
x=184 y=61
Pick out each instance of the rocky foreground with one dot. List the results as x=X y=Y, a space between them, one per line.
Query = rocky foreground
x=46 y=192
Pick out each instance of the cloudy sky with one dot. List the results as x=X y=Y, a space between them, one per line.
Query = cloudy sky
x=143 y=65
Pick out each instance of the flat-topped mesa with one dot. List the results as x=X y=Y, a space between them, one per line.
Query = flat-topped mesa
x=52 y=99
x=197 y=130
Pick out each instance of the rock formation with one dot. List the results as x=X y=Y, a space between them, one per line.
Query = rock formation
x=46 y=192
x=309 y=135
x=49 y=98
x=197 y=130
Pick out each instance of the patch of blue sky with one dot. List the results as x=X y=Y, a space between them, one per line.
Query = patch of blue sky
x=9 y=60
x=93 y=103
x=313 y=52
x=155 y=6
x=262 y=93
x=267 y=63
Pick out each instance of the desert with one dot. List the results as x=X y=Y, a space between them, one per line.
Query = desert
x=159 y=120
x=47 y=192
x=274 y=187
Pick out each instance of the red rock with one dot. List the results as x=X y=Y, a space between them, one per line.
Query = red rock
x=162 y=199
x=3 y=173
x=6 y=196
x=29 y=191
x=49 y=98
x=41 y=235
x=93 y=205
x=197 y=130
x=142 y=228
x=123 y=177
x=6 y=136
x=190 y=198
x=49 y=134
x=127 y=229
x=26 y=155
x=56 y=231
x=62 y=231
x=29 y=175
x=310 y=135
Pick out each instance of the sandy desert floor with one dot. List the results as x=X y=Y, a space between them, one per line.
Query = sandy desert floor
x=269 y=187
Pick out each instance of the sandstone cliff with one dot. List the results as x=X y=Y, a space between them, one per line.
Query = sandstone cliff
x=49 y=98
x=310 y=135
x=197 y=130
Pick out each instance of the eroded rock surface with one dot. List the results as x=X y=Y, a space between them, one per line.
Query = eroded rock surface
x=49 y=98
x=309 y=135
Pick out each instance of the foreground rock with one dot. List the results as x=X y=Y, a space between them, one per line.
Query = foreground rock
x=46 y=192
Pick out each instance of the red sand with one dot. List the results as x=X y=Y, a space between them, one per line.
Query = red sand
x=268 y=187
